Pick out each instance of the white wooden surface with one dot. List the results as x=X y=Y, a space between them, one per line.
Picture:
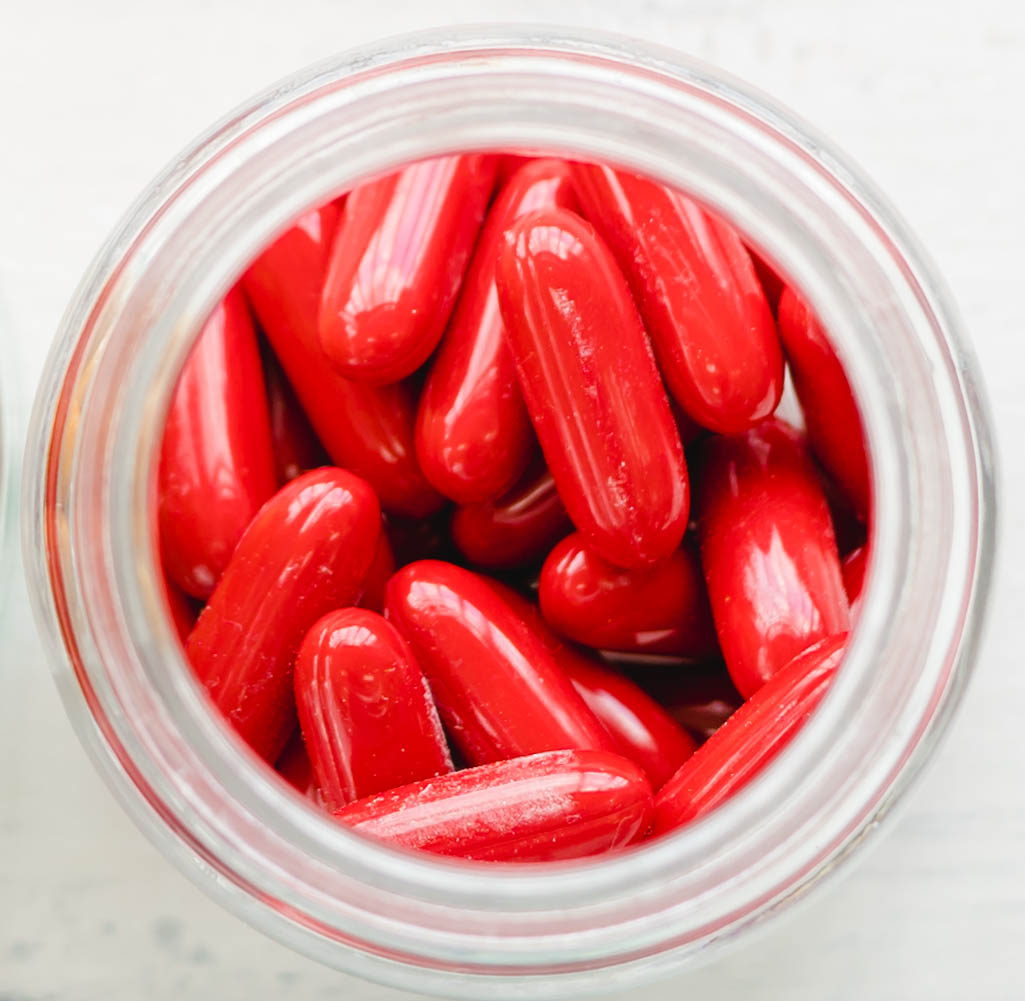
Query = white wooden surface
x=927 y=94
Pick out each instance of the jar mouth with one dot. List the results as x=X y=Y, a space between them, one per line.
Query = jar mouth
x=91 y=554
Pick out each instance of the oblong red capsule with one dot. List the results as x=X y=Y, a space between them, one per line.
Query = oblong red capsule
x=541 y=808
x=366 y=713
x=497 y=687
x=768 y=551
x=699 y=697
x=216 y=462
x=853 y=571
x=750 y=738
x=591 y=387
x=515 y=529
x=381 y=569
x=396 y=264
x=834 y=427
x=365 y=429
x=661 y=609
x=473 y=436
x=297 y=449
x=306 y=552
x=696 y=287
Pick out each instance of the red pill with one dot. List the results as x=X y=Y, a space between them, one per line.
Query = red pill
x=709 y=321
x=498 y=689
x=591 y=388
x=216 y=463
x=699 y=697
x=768 y=552
x=661 y=609
x=297 y=449
x=542 y=808
x=396 y=264
x=515 y=529
x=306 y=552
x=509 y=164
x=834 y=427
x=293 y=765
x=750 y=738
x=473 y=436
x=378 y=575
x=364 y=429
x=366 y=712
x=772 y=284
x=853 y=570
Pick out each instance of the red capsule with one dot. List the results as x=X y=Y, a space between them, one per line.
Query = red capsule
x=306 y=552
x=297 y=449
x=396 y=264
x=699 y=697
x=853 y=570
x=473 y=436
x=509 y=164
x=541 y=808
x=695 y=285
x=216 y=463
x=366 y=712
x=834 y=427
x=498 y=689
x=768 y=552
x=378 y=575
x=293 y=765
x=364 y=429
x=772 y=284
x=515 y=529
x=591 y=388
x=750 y=738
x=660 y=609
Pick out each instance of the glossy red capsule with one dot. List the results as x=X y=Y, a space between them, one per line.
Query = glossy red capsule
x=699 y=697
x=696 y=287
x=591 y=387
x=473 y=436
x=216 y=463
x=293 y=765
x=306 y=552
x=515 y=529
x=834 y=427
x=541 y=808
x=366 y=712
x=750 y=738
x=853 y=570
x=297 y=449
x=509 y=164
x=365 y=429
x=660 y=609
x=768 y=551
x=396 y=264
x=498 y=689
x=379 y=574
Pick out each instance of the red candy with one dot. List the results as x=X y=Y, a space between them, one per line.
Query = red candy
x=695 y=285
x=557 y=805
x=365 y=429
x=661 y=609
x=515 y=529
x=469 y=640
x=307 y=551
x=216 y=464
x=834 y=427
x=473 y=436
x=750 y=738
x=365 y=710
x=396 y=263
x=591 y=388
x=768 y=552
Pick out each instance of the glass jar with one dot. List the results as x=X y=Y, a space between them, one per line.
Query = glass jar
x=429 y=924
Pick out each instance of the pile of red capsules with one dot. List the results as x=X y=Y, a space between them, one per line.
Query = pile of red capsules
x=501 y=551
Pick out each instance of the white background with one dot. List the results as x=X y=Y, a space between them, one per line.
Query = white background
x=96 y=96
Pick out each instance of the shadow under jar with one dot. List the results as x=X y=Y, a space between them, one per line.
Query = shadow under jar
x=431 y=924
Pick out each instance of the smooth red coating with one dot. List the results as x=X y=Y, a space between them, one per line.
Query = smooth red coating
x=473 y=436
x=293 y=765
x=498 y=689
x=750 y=738
x=306 y=552
x=831 y=415
x=183 y=610
x=379 y=574
x=541 y=808
x=772 y=284
x=515 y=529
x=396 y=264
x=660 y=609
x=699 y=697
x=216 y=463
x=366 y=712
x=509 y=164
x=709 y=321
x=297 y=449
x=365 y=429
x=768 y=551
x=591 y=387
x=853 y=571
